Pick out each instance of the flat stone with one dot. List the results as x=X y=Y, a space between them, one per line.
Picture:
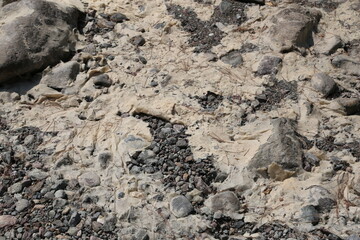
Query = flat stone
x=180 y=206
x=232 y=58
x=224 y=202
x=324 y=84
x=37 y=174
x=7 y=220
x=310 y=214
x=21 y=205
x=15 y=188
x=89 y=179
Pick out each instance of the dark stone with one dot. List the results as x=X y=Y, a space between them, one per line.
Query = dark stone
x=59 y=77
x=137 y=41
x=102 y=80
x=326 y=204
x=104 y=159
x=180 y=206
x=118 y=18
x=324 y=84
x=74 y=219
x=310 y=214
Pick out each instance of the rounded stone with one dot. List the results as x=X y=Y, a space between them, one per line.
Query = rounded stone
x=180 y=206
x=89 y=179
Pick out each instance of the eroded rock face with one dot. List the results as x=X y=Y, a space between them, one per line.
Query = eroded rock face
x=293 y=28
x=45 y=36
x=281 y=156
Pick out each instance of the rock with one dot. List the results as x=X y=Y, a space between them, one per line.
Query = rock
x=141 y=235
x=5 y=2
x=232 y=58
x=60 y=194
x=74 y=219
x=353 y=237
x=137 y=41
x=310 y=214
x=37 y=174
x=351 y=106
x=268 y=65
x=225 y=202
x=109 y=223
x=60 y=76
x=182 y=143
x=261 y=2
x=118 y=18
x=324 y=84
x=281 y=156
x=328 y=45
x=43 y=40
x=349 y=65
x=326 y=204
x=15 y=188
x=293 y=28
x=21 y=205
x=180 y=206
x=7 y=220
x=104 y=159
x=102 y=80
x=89 y=179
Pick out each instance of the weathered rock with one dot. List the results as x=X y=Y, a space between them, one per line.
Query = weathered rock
x=324 y=84
x=349 y=65
x=180 y=206
x=37 y=174
x=89 y=179
x=350 y=106
x=5 y=2
x=60 y=76
x=353 y=237
x=281 y=156
x=268 y=65
x=328 y=45
x=7 y=220
x=15 y=188
x=74 y=219
x=310 y=214
x=42 y=40
x=102 y=80
x=293 y=28
x=225 y=202
x=21 y=205
x=104 y=159
x=137 y=41
x=141 y=235
x=232 y=58
x=118 y=18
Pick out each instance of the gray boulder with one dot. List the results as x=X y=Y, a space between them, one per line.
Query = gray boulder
x=180 y=206
x=281 y=156
x=292 y=28
x=35 y=34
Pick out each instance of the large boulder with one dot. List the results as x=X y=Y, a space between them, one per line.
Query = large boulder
x=281 y=156
x=35 y=34
x=292 y=28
